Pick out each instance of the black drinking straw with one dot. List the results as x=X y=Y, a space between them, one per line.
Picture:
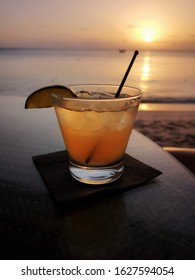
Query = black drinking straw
x=126 y=74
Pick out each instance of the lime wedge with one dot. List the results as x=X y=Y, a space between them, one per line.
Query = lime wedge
x=41 y=98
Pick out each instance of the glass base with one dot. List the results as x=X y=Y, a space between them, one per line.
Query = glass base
x=96 y=175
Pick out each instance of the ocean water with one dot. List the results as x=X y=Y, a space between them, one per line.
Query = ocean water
x=164 y=77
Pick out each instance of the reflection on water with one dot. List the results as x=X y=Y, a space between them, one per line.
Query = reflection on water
x=145 y=73
x=145 y=69
x=167 y=107
x=143 y=107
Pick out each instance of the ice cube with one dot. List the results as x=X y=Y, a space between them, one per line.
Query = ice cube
x=94 y=95
x=84 y=94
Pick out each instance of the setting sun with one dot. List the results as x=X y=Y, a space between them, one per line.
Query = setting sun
x=149 y=35
x=150 y=32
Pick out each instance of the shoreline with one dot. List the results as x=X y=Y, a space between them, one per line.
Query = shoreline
x=168 y=128
x=144 y=106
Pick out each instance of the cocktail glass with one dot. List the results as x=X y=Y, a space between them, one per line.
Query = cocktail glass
x=96 y=128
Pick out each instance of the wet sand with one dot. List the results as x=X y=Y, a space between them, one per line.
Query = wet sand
x=174 y=128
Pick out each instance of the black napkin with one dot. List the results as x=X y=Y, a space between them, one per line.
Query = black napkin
x=68 y=192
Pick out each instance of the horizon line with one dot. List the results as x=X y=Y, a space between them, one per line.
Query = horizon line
x=94 y=49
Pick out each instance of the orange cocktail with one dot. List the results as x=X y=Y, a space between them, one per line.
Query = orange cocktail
x=96 y=129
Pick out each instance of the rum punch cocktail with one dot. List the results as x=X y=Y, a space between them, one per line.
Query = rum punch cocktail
x=96 y=128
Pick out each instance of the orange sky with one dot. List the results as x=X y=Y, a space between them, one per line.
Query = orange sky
x=130 y=24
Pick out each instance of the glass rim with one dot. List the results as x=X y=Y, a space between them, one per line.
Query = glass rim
x=136 y=95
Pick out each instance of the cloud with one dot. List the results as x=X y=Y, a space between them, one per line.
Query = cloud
x=131 y=26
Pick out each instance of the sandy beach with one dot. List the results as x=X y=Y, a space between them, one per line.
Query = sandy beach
x=169 y=126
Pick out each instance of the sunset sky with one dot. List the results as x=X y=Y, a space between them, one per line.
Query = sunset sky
x=105 y=24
